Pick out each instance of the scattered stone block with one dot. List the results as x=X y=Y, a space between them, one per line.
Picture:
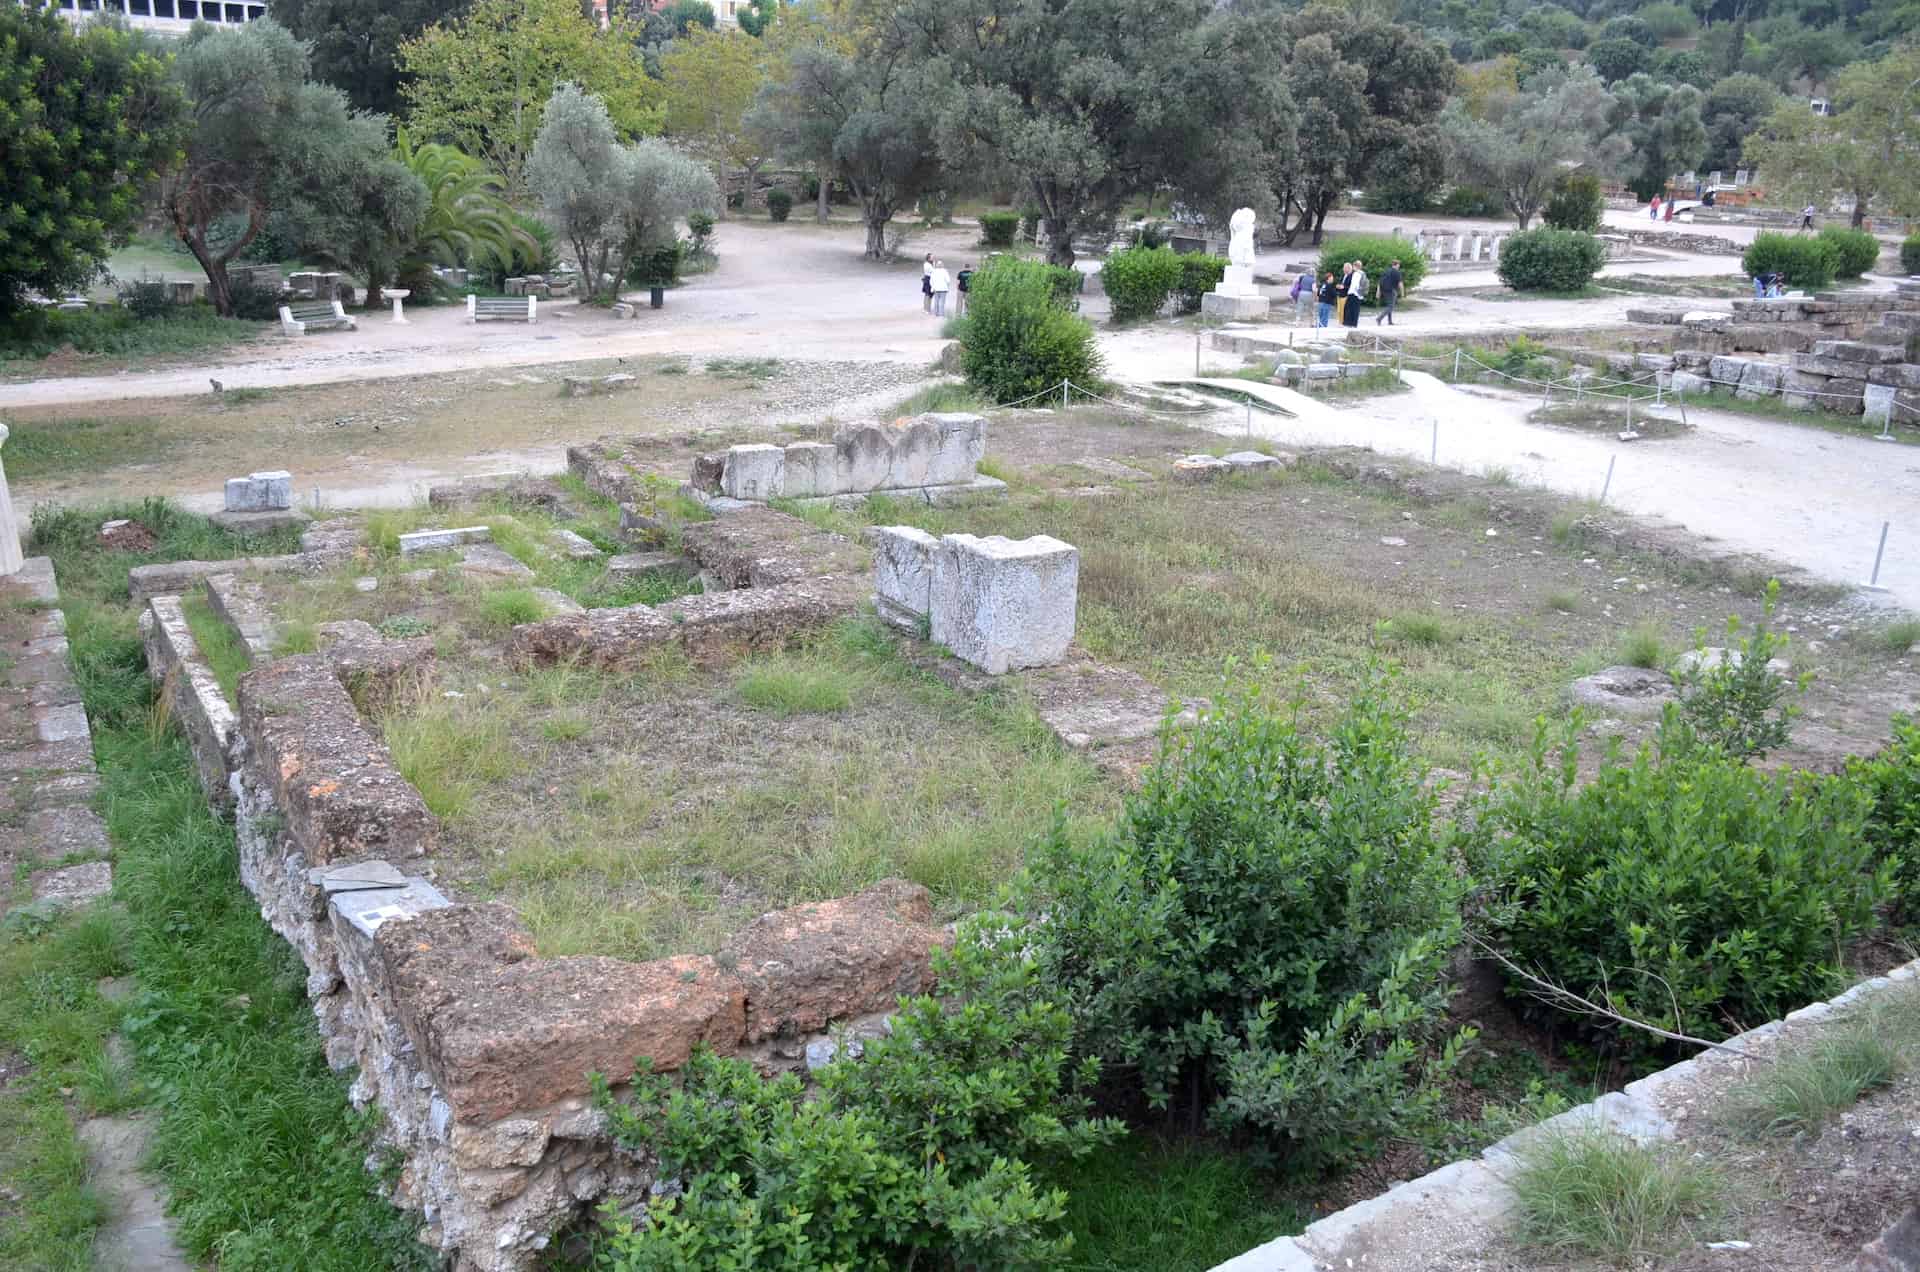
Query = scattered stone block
x=72 y=885
x=902 y=574
x=1199 y=468
x=240 y=605
x=754 y=471
x=485 y=561
x=1253 y=462
x=1687 y=384
x=377 y=671
x=194 y=697
x=443 y=540
x=1003 y=604
x=574 y=546
x=643 y=529
x=263 y=522
x=759 y=546
x=809 y=470
x=633 y=566
x=173 y=578
x=708 y=627
x=1713 y=657
x=261 y=492
x=1625 y=691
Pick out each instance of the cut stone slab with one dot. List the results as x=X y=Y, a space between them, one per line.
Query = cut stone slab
x=1199 y=468
x=1090 y=705
x=754 y=471
x=1003 y=604
x=368 y=909
x=1234 y=308
x=902 y=574
x=175 y=578
x=1254 y=462
x=61 y=724
x=1628 y=691
x=442 y=540
x=242 y=605
x=73 y=885
x=931 y=496
x=708 y=627
x=558 y=602
x=68 y=831
x=1713 y=656
x=137 y=1236
x=358 y=876
x=759 y=547
x=650 y=565
x=260 y=492
x=484 y=560
x=260 y=522
x=576 y=547
x=809 y=470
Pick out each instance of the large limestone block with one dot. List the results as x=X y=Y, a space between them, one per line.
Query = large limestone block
x=902 y=574
x=1002 y=604
x=809 y=471
x=863 y=457
x=754 y=471
x=260 y=492
x=915 y=443
x=961 y=443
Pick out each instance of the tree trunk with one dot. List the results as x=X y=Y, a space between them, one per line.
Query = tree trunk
x=219 y=291
x=1523 y=217
x=1859 y=212
x=877 y=235
x=1059 y=241
x=820 y=204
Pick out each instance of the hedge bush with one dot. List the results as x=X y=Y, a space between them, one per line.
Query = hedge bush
x=1265 y=931
x=998 y=228
x=1375 y=252
x=1910 y=255
x=1139 y=280
x=1547 y=259
x=1576 y=204
x=1682 y=888
x=1807 y=261
x=1854 y=251
x=779 y=204
x=1199 y=274
x=1472 y=201
x=1019 y=336
x=1891 y=780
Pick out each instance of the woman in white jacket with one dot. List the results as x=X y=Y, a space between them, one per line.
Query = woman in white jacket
x=942 y=284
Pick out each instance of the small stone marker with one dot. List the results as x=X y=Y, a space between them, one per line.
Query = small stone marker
x=1003 y=604
x=1878 y=402
x=260 y=492
x=441 y=540
x=11 y=556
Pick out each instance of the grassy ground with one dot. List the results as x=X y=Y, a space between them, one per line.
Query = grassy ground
x=99 y=340
x=254 y=1138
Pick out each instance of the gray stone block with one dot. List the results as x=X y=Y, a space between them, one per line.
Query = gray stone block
x=809 y=470
x=1003 y=604
x=754 y=471
x=260 y=492
x=1199 y=468
x=1252 y=462
x=443 y=540
x=1687 y=384
x=902 y=574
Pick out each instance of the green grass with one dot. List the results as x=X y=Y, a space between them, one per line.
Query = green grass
x=795 y=685
x=1563 y=602
x=505 y=608
x=1811 y=1083
x=940 y=397
x=254 y=1138
x=220 y=645
x=39 y=450
x=1644 y=645
x=1368 y=384
x=115 y=334
x=1592 y=1192
x=1773 y=408
x=1411 y=628
x=744 y=368
x=451 y=749
x=1899 y=636
x=1145 y=1205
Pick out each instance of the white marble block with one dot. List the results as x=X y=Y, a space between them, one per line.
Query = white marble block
x=261 y=492
x=961 y=445
x=11 y=557
x=754 y=471
x=1003 y=604
x=902 y=574
x=809 y=471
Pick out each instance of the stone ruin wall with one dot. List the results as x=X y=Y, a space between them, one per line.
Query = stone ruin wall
x=476 y=1049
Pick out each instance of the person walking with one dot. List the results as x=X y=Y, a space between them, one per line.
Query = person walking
x=926 y=284
x=1653 y=208
x=1329 y=297
x=1389 y=294
x=962 y=281
x=942 y=283
x=1302 y=295
x=1806 y=217
x=1356 y=293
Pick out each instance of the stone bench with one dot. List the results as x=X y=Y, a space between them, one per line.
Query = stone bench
x=298 y=319
x=509 y=308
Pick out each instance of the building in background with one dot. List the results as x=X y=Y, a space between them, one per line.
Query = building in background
x=165 y=17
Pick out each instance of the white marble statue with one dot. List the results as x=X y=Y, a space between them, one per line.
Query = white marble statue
x=1240 y=244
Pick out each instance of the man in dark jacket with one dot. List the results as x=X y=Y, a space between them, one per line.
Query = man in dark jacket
x=1389 y=293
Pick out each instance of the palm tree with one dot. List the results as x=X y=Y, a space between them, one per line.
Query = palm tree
x=466 y=215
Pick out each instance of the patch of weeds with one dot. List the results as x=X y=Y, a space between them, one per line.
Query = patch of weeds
x=1563 y=602
x=565 y=728
x=226 y=654
x=505 y=608
x=1899 y=636
x=794 y=685
x=1497 y=475
x=298 y=637
x=940 y=397
x=241 y=397
x=1414 y=628
x=403 y=627
x=744 y=368
x=1644 y=645
x=1592 y=1192
x=1808 y=1085
x=451 y=749
x=1000 y=471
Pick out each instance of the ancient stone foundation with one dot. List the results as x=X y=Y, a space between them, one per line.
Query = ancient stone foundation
x=926 y=452
x=1000 y=604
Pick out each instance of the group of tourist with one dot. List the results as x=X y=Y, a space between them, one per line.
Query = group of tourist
x=1339 y=301
x=936 y=282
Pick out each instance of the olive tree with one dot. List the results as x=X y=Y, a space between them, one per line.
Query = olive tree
x=1528 y=138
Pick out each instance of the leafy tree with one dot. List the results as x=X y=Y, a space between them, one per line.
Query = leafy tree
x=1475 y=86
x=1791 y=52
x=1628 y=27
x=869 y=116
x=1663 y=126
x=1864 y=150
x=466 y=217
x=1615 y=60
x=1733 y=111
x=711 y=82
x=87 y=117
x=1682 y=66
x=610 y=202
x=265 y=140
x=1535 y=61
x=1528 y=138
x=346 y=200
x=758 y=17
x=356 y=43
x=481 y=81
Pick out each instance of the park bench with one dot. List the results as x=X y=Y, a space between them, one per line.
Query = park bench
x=297 y=319
x=514 y=308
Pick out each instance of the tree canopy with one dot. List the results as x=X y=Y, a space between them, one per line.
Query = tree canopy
x=1529 y=138
x=356 y=43
x=87 y=118
x=711 y=81
x=1865 y=151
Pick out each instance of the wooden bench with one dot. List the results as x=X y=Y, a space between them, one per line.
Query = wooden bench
x=298 y=319
x=512 y=308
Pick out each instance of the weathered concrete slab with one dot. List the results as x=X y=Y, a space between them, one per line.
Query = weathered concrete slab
x=759 y=547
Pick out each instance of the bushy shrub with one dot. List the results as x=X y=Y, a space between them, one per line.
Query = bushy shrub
x=998 y=228
x=1668 y=21
x=700 y=236
x=1854 y=251
x=254 y=302
x=534 y=250
x=1910 y=254
x=1471 y=201
x=1807 y=261
x=1019 y=336
x=1152 y=234
x=922 y=1146
x=1891 y=780
x=779 y=204
x=1546 y=259
x=1139 y=280
x=1738 y=703
x=1575 y=204
x=1388 y=194
x=1264 y=932
x=658 y=266
x=1682 y=888
x=146 y=298
x=1199 y=274
x=1375 y=252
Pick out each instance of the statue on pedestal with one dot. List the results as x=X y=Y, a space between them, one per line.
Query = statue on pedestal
x=1240 y=242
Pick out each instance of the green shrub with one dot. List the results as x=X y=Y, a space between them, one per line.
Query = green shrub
x=1669 y=21
x=779 y=204
x=1576 y=204
x=923 y=1143
x=998 y=228
x=1263 y=934
x=146 y=298
x=1018 y=337
x=658 y=266
x=1807 y=261
x=1397 y=195
x=1199 y=274
x=1892 y=782
x=1375 y=252
x=1854 y=251
x=1152 y=234
x=1139 y=280
x=1682 y=887
x=1547 y=259
x=1738 y=703
x=1472 y=201
x=1910 y=254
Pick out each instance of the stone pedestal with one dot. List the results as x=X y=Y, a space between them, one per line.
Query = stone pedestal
x=1004 y=604
x=396 y=297
x=11 y=557
x=1237 y=298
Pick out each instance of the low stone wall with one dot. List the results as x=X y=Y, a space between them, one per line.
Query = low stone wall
x=926 y=450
